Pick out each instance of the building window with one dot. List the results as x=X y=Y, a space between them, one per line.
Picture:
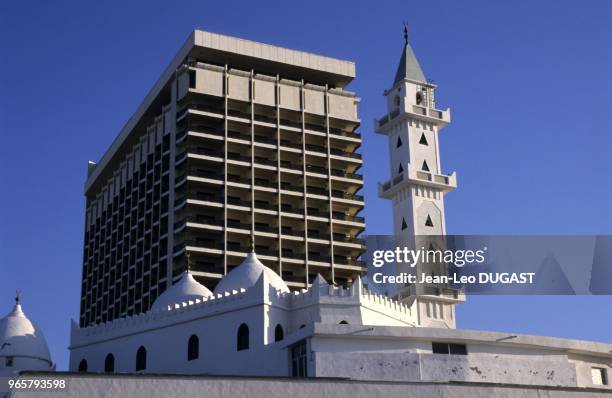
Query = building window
x=299 y=363
x=428 y=222
x=599 y=376
x=243 y=337
x=279 y=334
x=343 y=322
x=423 y=140
x=141 y=359
x=449 y=348
x=109 y=363
x=83 y=366
x=302 y=326
x=192 y=79
x=8 y=362
x=193 y=348
x=425 y=167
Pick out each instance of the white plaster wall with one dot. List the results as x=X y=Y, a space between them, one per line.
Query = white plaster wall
x=423 y=152
x=167 y=348
x=141 y=386
x=23 y=363
x=399 y=155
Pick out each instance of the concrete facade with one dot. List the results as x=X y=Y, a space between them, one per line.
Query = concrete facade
x=236 y=138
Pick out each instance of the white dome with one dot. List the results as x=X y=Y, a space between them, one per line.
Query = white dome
x=20 y=338
x=185 y=289
x=246 y=274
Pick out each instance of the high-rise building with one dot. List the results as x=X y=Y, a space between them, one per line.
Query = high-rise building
x=236 y=139
x=418 y=185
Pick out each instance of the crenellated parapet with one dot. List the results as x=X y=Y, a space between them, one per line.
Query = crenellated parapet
x=155 y=319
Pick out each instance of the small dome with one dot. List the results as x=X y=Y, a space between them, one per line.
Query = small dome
x=185 y=289
x=247 y=273
x=20 y=338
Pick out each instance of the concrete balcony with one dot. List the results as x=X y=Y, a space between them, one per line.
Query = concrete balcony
x=436 y=116
x=412 y=176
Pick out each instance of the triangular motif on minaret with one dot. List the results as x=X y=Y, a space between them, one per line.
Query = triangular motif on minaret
x=428 y=222
x=423 y=140
x=404 y=226
x=400 y=169
x=399 y=142
x=425 y=167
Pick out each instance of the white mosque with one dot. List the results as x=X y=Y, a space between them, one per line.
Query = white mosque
x=253 y=325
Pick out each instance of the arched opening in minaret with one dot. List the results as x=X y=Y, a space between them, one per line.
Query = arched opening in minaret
x=399 y=142
x=428 y=222
x=83 y=365
x=400 y=169
x=425 y=167
x=423 y=140
x=404 y=225
x=419 y=98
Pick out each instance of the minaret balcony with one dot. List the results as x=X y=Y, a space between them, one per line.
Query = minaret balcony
x=412 y=176
x=435 y=292
x=436 y=116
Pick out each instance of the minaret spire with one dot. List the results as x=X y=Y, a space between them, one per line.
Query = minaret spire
x=406 y=32
x=17 y=293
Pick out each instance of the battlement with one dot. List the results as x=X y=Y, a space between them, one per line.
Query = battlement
x=154 y=319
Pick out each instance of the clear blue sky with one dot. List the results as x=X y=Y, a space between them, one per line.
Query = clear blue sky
x=528 y=82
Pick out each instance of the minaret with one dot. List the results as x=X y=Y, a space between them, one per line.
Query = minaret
x=417 y=185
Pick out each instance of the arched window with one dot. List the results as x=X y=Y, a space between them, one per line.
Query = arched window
x=279 y=334
x=141 y=359
x=83 y=366
x=193 y=348
x=343 y=322
x=243 y=338
x=109 y=363
x=419 y=98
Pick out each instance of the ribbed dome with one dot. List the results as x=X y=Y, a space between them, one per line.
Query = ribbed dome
x=19 y=337
x=185 y=289
x=246 y=274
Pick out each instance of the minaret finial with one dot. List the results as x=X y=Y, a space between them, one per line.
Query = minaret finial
x=188 y=262
x=17 y=292
x=406 y=31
